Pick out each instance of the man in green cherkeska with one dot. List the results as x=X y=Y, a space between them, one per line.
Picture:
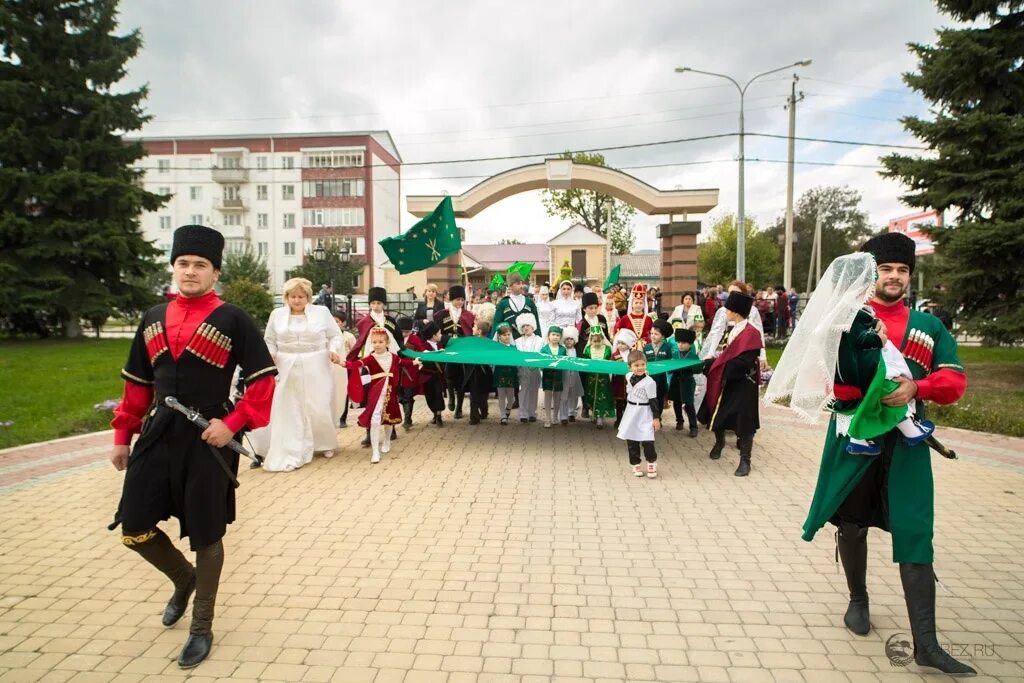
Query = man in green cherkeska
x=891 y=490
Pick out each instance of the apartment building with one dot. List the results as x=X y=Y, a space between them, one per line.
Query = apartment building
x=280 y=194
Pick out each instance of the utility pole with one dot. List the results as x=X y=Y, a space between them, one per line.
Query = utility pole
x=815 y=257
x=787 y=259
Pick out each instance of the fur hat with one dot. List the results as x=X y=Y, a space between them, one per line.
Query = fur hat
x=485 y=311
x=404 y=323
x=456 y=292
x=377 y=294
x=892 y=247
x=627 y=337
x=526 y=319
x=198 y=240
x=684 y=336
x=589 y=299
x=571 y=333
x=429 y=330
x=739 y=303
x=664 y=327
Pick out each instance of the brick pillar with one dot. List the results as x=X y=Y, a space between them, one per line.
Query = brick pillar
x=678 y=260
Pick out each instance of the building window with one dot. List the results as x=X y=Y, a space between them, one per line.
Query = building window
x=289 y=248
x=164 y=191
x=261 y=163
x=232 y=191
x=195 y=164
x=342 y=187
x=347 y=217
x=288 y=220
x=195 y=192
x=229 y=162
x=163 y=165
x=197 y=219
x=287 y=163
x=333 y=159
x=166 y=248
x=261 y=192
x=262 y=220
x=232 y=219
x=165 y=222
x=263 y=249
x=579 y=262
x=287 y=192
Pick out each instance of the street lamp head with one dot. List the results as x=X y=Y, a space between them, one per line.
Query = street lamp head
x=806 y=62
x=682 y=69
x=319 y=254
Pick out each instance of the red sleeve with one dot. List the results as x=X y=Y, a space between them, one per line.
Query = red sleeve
x=129 y=413
x=253 y=410
x=944 y=386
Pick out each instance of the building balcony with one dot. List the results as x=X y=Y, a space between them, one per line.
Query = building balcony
x=235 y=232
x=230 y=175
x=222 y=204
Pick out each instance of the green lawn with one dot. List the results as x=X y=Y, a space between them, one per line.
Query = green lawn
x=49 y=387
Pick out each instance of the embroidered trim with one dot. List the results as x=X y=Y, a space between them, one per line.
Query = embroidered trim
x=260 y=373
x=211 y=345
x=137 y=380
x=138 y=540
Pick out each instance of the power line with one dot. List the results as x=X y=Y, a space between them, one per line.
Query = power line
x=905 y=93
x=839 y=142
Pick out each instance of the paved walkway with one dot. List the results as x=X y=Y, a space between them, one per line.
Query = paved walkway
x=534 y=558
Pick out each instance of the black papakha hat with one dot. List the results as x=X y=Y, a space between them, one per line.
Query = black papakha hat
x=892 y=247
x=456 y=292
x=663 y=327
x=377 y=294
x=198 y=240
x=404 y=322
x=428 y=330
x=589 y=299
x=685 y=336
x=739 y=303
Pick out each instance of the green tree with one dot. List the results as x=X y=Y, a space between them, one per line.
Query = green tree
x=251 y=296
x=321 y=273
x=244 y=264
x=510 y=241
x=70 y=199
x=975 y=168
x=844 y=227
x=716 y=258
x=591 y=208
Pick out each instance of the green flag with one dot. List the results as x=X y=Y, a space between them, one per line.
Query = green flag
x=612 y=278
x=524 y=269
x=497 y=282
x=433 y=239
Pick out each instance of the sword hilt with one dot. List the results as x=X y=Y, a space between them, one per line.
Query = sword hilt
x=196 y=418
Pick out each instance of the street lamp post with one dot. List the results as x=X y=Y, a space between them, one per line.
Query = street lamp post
x=741 y=238
x=345 y=256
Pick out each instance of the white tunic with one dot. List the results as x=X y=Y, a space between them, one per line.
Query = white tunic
x=566 y=312
x=545 y=314
x=638 y=420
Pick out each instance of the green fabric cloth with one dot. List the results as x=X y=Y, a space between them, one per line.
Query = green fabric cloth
x=911 y=490
x=430 y=241
x=551 y=380
x=497 y=282
x=524 y=269
x=872 y=418
x=613 y=277
x=481 y=351
x=597 y=388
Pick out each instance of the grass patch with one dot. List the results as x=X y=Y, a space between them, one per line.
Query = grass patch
x=49 y=387
x=994 y=401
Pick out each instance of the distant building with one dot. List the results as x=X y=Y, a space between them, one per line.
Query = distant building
x=640 y=266
x=280 y=194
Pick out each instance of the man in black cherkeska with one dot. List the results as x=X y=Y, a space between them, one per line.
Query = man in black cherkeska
x=188 y=348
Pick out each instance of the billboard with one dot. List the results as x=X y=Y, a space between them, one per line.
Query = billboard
x=911 y=227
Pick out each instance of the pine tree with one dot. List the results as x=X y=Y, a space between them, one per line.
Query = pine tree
x=70 y=242
x=974 y=78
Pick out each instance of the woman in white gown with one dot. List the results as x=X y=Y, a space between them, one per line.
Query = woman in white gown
x=545 y=310
x=304 y=340
x=567 y=310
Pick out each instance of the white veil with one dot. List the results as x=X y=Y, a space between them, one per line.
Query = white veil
x=806 y=371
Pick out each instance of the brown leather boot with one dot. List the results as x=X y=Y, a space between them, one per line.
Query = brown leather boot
x=209 y=563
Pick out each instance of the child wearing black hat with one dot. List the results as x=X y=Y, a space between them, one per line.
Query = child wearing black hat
x=681 y=390
x=431 y=375
x=659 y=348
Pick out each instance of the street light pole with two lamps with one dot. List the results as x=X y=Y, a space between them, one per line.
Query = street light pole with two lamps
x=344 y=256
x=740 y=219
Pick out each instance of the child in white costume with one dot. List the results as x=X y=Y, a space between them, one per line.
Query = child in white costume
x=529 y=378
x=640 y=421
x=572 y=384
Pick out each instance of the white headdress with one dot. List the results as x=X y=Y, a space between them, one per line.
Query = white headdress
x=570 y=331
x=627 y=337
x=806 y=372
x=526 y=319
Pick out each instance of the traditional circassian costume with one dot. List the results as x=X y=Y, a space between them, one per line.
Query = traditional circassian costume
x=733 y=379
x=627 y=338
x=637 y=323
x=663 y=351
x=893 y=491
x=188 y=348
x=454 y=323
x=683 y=384
x=362 y=346
x=431 y=375
x=583 y=327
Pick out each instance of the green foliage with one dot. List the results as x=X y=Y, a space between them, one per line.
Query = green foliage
x=244 y=264
x=318 y=273
x=70 y=243
x=844 y=227
x=716 y=258
x=973 y=78
x=591 y=208
x=250 y=296
x=510 y=241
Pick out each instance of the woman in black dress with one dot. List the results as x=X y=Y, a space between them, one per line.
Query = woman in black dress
x=426 y=309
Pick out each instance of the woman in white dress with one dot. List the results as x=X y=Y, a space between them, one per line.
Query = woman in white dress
x=545 y=311
x=304 y=340
x=682 y=315
x=567 y=310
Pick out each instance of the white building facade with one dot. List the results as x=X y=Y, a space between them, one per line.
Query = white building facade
x=280 y=195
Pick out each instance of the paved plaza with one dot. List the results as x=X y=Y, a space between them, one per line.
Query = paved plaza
x=508 y=554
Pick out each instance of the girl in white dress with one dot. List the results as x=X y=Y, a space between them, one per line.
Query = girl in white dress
x=529 y=378
x=304 y=340
x=545 y=311
x=572 y=385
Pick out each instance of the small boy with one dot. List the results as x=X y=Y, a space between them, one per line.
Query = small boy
x=348 y=341
x=431 y=375
x=660 y=348
x=599 y=387
x=640 y=420
x=551 y=380
x=699 y=379
x=683 y=384
x=478 y=379
x=529 y=378
x=572 y=386
x=506 y=377
x=624 y=342
x=408 y=379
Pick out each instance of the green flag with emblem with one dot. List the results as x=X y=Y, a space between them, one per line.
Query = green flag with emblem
x=497 y=282
x=524 y=269
x=612 y=278
x=430 y=241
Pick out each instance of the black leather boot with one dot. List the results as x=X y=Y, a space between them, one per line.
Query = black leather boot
x=458 y=406
x=716 y=450
x=365 y=443
x=209 y=563
x=451 y=400
x=407 y=410
x=852 y=545
x=746 y=446
x=919 y=591
x=157 y=549
x=438 y=420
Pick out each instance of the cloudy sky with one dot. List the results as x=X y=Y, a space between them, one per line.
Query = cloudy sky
x=461 y=79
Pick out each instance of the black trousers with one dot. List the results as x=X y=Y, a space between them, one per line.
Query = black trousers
x=478 y=402
x=633 y=447
x=434 y=394
x=691 y=412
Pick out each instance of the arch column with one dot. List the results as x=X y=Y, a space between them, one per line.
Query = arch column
x=678 y=259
